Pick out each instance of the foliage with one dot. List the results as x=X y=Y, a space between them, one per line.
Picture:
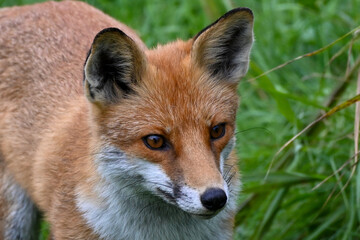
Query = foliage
x=278 y=105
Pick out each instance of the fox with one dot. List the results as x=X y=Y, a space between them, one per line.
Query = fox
x=107 y=139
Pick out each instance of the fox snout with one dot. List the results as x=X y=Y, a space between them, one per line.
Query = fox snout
x=204 y=204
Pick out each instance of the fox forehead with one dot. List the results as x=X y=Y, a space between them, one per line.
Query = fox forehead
x=173 y=95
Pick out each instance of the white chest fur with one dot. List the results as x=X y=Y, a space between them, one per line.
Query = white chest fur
x=136 y=215
x=124 y=204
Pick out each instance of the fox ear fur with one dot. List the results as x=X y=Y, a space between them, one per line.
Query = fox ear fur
x=223 y=48
x=113 y=66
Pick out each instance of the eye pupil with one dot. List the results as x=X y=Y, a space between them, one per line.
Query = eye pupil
x=218 y=131
x=154 y=142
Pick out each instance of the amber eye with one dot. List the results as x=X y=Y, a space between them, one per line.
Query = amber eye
x=154 y=142
x=217 y=131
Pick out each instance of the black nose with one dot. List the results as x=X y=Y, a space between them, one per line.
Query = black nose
x=213 y=199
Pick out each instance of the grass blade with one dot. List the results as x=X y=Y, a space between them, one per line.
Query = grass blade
x=306 y=55
x=337 y=171
x=276 y=180
x=329 y=113
x=281 y=101
x=270 y=214
x=357 y=126
x=335 y=216
x=351 y=213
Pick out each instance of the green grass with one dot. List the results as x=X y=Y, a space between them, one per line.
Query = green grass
x=277 y=106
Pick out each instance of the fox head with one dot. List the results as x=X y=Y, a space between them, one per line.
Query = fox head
x=163 y=120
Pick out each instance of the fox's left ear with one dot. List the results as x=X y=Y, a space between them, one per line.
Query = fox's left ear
x=223 y=48
x=114 y=65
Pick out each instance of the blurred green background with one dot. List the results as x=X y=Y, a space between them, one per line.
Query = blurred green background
x=277 y=106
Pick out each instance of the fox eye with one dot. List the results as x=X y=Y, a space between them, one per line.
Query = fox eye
x=154 y=142
x=217 y=131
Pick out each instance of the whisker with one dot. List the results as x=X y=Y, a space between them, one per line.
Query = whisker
x=228 y=170
x=255 y=128
x=230 y=178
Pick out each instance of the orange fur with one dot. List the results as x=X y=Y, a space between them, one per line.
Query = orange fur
x=50 y=133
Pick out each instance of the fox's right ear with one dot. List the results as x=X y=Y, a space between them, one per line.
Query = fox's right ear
x=113 y=66
x=223 y=48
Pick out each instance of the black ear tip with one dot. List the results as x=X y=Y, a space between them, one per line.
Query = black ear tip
x=109 y=31
x=242 y=12
x=245 y=12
